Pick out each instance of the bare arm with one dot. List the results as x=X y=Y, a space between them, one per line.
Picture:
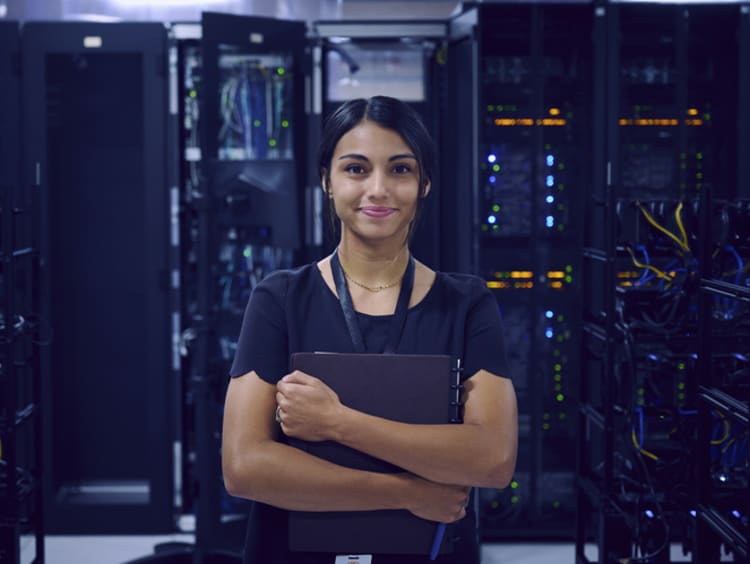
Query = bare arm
x=256 y=466
x=481 y=452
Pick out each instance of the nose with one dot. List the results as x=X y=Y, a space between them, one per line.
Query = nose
x=378 y=187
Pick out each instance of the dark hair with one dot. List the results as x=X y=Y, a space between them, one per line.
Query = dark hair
x=388 y=113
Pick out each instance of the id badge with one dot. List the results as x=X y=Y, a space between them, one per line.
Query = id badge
x=354 y=559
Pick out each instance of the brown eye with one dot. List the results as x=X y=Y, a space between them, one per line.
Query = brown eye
x=354 y=169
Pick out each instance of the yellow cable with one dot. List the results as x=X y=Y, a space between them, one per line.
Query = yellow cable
x=668 y=233
x=727 y=430
x=643 y=451
x=726 y=448
x=659 y=273
x=681 y=226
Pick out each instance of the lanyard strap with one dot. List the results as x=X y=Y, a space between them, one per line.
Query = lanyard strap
x=347 y=307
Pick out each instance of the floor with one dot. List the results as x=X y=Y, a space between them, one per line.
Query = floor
x=119 y=549
x=123 y=549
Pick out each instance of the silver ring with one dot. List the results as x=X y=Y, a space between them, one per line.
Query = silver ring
x=277 y=414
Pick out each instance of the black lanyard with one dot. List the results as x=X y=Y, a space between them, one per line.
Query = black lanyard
x=399 y=317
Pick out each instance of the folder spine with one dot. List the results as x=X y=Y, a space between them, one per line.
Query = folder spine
x=456 y=388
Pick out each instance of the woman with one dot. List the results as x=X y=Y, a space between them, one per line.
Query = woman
x=375 y=162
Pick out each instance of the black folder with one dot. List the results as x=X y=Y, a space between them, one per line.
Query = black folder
x=419 y=389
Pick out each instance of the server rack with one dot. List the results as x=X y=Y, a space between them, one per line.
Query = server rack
x=93 y=136
x=20 y=336
x=519 y=100
x=237 y=102
x=673 y=148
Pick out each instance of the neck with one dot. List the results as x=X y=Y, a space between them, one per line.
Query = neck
x=373 y=269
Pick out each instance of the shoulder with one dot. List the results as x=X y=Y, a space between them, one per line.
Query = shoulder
x=281 y=283
x=468 y=286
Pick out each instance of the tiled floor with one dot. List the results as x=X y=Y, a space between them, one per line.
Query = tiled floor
x=119 y=549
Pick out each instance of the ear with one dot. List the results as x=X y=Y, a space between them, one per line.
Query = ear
x=323 y=183
x=426 y=189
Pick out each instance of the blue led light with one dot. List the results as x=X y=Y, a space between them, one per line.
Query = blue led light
x=549 y=333
x=491 y=219
x=550 y=160
x=736 y=513
x=493 y=179
x=549 y=221
x=648 y=513
x=549 y=314
x=491 y=158
x=550 y=180
x=693 y=512
x=550 y=199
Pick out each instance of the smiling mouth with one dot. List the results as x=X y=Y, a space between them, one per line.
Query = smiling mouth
x=377 y=211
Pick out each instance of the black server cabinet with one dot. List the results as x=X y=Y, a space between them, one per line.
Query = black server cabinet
x=20 y=437
x=238 y=95
x=359 y=59
x=654 y=470
x=519 y=99
x=94 y=123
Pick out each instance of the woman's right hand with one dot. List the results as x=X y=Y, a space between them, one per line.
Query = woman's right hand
x=443 y=503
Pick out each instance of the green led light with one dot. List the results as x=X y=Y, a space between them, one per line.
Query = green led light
x=562 y=416
x=280 y=71
x=680 y=396
x=495 y=227
x=699 y=156
x=545 y=416
x=681 y=386
x=560 y=338
x=514 y=499
x=193 y=93
x=496 y=167
x=568 y=278
x=256 y=122
x=547 y=146
x=272 y=142
x=556 y=352
x=284 y=123
x=514 y=485
x=561 y=166
x=559 y=397
x=494 y=504
x=560 y=227
x=640 y=391
x=485 y=227
x=490 y=108
x=545 y=426
x=558 y=387
x=557 y=377
x=247 y=253
x=500 y=108
x=560 y=318
x=558 y=367
x=681 y=365
x=496 y=208
x=568 y=268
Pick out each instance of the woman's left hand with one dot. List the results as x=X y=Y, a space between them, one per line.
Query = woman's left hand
x=308 y=408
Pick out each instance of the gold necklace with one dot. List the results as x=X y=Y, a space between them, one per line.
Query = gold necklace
x=372 y=288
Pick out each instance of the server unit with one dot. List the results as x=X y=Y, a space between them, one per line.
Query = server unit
x=94 y=122
x=520 y=101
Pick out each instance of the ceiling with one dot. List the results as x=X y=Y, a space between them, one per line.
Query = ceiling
x=190 y=10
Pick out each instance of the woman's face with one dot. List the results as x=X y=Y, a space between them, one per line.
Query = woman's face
x=374 y=183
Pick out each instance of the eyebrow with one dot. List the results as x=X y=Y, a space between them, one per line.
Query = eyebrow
x=359 y=157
